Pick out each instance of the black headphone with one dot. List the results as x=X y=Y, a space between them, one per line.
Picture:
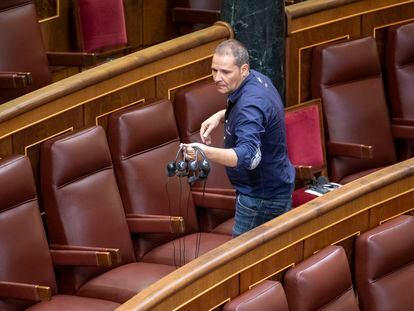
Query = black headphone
x=194 y=169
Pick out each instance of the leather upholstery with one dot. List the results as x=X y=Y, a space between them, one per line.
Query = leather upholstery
x=24 y=251
x=400 y=70
x=19 y=30
x=143 y=140
x=101 y=24
x=322 y=281
x=193 y=105
x=266 y=296
x=384 y=266
x=83 y=208
x=347 y=76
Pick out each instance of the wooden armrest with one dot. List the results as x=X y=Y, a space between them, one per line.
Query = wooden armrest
x=13 y=290
x=69 y=255
x=223 y=191
x=401 y=121
x=358 y=151
x=195 y=16
x=405 y=131
x=71 y=59
x=15 y=80
x=304 y=172
x=155 y=223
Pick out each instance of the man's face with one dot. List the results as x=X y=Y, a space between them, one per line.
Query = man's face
x=226 y=74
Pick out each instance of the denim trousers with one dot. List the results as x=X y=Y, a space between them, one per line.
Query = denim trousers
x=252 y=212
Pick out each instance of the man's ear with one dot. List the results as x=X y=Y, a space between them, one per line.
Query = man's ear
x=244 y=70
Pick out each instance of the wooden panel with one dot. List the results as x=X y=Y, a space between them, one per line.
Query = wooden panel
x=6 y=146
x=398 y=205
x=376 y=24
x=271 y=266
x=299 y=52
x=336 y=233
x=168 y=82
x=46 y=8
x=97 y=110
x=28 y=141
x=157 y=21
x=134 y=22
x=215 y=297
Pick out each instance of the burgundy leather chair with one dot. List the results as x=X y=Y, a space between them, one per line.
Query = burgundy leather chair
x=192 y=15
x=26 y=270
x=347 y=76
x=143 y=140
x=84 y=208
x=100 y=26
x=24 y=62
x=400 y=79
x=266 y=296
x=321 y=282
x=384 y=266
x=216 y=197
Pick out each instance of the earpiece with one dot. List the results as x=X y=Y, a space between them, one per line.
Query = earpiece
x=194 y=169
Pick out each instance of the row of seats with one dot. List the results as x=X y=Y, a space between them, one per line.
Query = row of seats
x=348 y=78
x=95 y=195
x=384 y=276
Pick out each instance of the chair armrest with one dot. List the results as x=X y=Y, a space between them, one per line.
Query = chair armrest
x=15 y=80
x=214 y=200
x=138 y=223
x=195 y=16
x=401 y=121
x=223 y=191
x=71 y=59
x=304 y=172
x=403 y=131
x=69 y=255
x=13 y=290
x=357 y=151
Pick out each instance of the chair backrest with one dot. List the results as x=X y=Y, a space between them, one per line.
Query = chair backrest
x=22 y=48
x=304 y=135
x=384 y=266
x=400 y=70
x=24 y=251
x=193 y=105
x=347 y=76
x=266 y=296
x=100 y=24
x=81 y=198
x=143 y=140
x=322 y=281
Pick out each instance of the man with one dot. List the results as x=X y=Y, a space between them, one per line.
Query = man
x=254 y=153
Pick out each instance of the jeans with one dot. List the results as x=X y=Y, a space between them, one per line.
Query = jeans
x=252 y=212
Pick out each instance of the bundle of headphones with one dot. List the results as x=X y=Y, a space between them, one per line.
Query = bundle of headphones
x=193 y=169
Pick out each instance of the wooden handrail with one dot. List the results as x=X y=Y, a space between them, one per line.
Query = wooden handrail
x=312 y=6
x=111 y=69
x=235 y=256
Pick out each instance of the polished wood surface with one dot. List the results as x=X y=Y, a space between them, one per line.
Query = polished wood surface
x=267 y=251
x=316 y=22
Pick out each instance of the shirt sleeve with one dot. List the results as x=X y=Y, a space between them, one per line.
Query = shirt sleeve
x=249 y=127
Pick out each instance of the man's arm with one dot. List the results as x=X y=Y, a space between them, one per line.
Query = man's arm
x=223 y=156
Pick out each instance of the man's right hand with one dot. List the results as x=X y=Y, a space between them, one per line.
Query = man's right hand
x=209 y=125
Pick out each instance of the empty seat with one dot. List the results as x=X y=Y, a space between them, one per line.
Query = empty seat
x=347 y=76
x=400 y=78
x=25 y=68
x=84 y=208
x=384 y=266
x=266 y=296
x=322 y=281
x=306 y=146
x=26 y=271
x=143 y=140
x=100 y=26
x=193 y=105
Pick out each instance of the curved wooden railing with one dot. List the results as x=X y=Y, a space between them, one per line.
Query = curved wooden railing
x=267 y=251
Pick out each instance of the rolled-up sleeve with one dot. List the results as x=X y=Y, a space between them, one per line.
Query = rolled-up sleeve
x=248 y=130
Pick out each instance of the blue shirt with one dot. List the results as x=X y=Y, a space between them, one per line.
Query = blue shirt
x=255 y=128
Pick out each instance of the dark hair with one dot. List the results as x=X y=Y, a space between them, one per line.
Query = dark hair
x=234 y=48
